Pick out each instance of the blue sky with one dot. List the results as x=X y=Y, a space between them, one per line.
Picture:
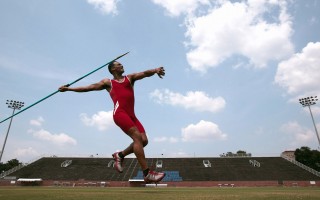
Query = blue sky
x=234 y=73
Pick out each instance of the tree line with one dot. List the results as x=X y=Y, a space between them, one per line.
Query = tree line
x=308 y=157
x=9 y=165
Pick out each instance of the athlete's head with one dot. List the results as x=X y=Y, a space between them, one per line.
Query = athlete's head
x=115 y=66
x=110 y=66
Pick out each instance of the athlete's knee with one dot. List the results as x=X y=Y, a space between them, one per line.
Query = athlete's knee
x=135 y=135
x=145 y=142
x=137 y=138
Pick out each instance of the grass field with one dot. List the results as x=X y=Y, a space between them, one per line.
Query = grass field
x=57 y=193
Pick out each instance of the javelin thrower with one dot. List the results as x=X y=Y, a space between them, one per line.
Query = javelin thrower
x=121 y=92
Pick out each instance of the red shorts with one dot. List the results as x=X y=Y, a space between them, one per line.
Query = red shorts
x=125 y=122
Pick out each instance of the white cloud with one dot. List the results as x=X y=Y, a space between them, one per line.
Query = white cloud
x=166 y=139
x=198 y=100
x=300 y=74
x=28 y=152
x=160 y=139
x=102 y=120
x=173 y=139
x=60 y=139
x=105 y=6
x=57 y=139
x=239 y=28
x=257 y=30
x=37 y=122
x=300 y=136
x=203 y=131
x=178 y=7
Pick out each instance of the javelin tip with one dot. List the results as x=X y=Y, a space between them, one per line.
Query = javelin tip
x=121 y=55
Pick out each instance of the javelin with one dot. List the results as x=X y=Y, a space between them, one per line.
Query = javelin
x=66 y=85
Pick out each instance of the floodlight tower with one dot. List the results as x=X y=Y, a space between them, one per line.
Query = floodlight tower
x=309 y=101
x=15 y=105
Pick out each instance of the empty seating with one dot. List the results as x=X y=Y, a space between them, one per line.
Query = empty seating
x=139 y=175
x=172 y=176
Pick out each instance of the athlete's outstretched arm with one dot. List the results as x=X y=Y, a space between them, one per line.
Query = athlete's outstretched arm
x=103 y=84
x=140 y=75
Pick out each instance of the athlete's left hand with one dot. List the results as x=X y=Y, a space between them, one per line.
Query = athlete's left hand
x=160 y=71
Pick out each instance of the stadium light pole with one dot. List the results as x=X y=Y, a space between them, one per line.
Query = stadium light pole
x=15 y=105
x=309 y=101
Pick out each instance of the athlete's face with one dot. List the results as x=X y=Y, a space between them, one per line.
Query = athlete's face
x=118 y=67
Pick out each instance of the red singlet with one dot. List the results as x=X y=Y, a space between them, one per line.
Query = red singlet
x=122 y=95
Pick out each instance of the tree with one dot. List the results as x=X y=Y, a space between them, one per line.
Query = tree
x=239 y=153
x=9 y=165
x=308 y=157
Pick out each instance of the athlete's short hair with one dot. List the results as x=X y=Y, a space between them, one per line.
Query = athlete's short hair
x=110 y=66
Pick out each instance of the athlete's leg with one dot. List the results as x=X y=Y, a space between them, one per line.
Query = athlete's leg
x=134 y=129
x=129 y=149
x=136 y=146
x=123 y=120
x=140 y=140
x=144 y=137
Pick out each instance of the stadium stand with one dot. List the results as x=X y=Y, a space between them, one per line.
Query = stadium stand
x=91 y=171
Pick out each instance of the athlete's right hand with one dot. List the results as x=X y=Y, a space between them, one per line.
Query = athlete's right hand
x=63 y=88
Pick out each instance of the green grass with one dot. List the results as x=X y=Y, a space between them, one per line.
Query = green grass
x=82 y=193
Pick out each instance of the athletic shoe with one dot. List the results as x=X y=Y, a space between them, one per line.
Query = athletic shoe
x=154 y=177
x=118 y=162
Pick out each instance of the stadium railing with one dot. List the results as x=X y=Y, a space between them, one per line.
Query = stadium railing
x=301 y=165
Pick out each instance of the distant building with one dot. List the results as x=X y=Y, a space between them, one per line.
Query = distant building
x=289 y=154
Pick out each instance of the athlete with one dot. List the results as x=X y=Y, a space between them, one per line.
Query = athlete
x=121 y=92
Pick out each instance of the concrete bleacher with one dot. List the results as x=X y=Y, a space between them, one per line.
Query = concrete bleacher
x=80 y=168
x=177 y=169
x=240 y=169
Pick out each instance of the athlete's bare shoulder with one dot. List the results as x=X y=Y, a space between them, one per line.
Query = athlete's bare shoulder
x=106 y=82
x=131 y=76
